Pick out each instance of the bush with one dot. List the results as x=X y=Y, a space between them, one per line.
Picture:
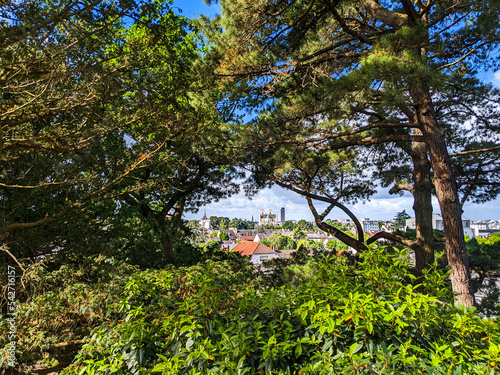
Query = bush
x=333 y=316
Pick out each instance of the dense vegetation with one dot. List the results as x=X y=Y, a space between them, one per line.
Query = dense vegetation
x=321 y=315
x=119 y=116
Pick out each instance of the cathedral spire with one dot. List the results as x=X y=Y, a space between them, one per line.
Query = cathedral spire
x=205 y=215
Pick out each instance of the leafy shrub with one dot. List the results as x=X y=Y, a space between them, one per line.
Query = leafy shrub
x=334 y=316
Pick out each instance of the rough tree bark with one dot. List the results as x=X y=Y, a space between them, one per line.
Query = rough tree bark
x=446 y=191
x=422 y=206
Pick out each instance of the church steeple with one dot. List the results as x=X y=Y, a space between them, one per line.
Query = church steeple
x=204 y=215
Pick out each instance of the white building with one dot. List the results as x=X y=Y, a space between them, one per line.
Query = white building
x=344 y=221
x=266 y=217
x=479 y=225
x=437 y=224
x=257 y=251
x=205 y=222
x=369 y=225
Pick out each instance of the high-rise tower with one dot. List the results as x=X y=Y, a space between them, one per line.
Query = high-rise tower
x=282 y=215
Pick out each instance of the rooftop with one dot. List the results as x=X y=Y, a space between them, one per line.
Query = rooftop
x=249 y=248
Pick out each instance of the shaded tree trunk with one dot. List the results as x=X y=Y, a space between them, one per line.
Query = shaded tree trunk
x=168 y=250
x=446 y=191
x=422 y=206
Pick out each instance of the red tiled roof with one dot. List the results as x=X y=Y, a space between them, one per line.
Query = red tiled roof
x=249 y=247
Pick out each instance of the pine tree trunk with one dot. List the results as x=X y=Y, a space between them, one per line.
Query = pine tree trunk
x=168 y=250
x=446 y=191
x=422 y=206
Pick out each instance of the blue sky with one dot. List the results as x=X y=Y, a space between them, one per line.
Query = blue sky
x=194 y=8
x=382 y=205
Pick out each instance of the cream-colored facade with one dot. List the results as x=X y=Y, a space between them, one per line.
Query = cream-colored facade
x=266 y=217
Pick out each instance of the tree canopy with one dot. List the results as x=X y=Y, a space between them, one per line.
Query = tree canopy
x=117 y=117
x=333 y=77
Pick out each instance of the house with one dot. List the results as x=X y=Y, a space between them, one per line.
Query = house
x=260 y=236
x=246 y=238
x=316 y=236
x=244 y=232
x=437 y=224
x=485 y=233
x=257 y=252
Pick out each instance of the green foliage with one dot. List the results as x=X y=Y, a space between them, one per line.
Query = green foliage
x=400 y=219
x=288 y=225
x=298 y=233
x=279 y=241
x=224 y=236
x=220 y=223
x=484 y=259
x=249 y=224
x=329 y=316
x=241 y=224
x=121 y=122
x=484 y=253
x=310 y=244
x=305 y=225
x=336 y=245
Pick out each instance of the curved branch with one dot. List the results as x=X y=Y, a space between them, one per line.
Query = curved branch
x=392 y=237
x=348 y=240
x=371 y=126
x=393 y=19
x=476 y=151
x=398 y=187
x=34 y=224
x=333 y=202
x=4 y=249
x=369 y=141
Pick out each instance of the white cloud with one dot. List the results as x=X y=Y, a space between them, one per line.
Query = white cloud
x=496 y=79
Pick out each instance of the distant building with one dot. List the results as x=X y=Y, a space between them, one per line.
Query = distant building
x=316 y=236
x=369 y=225
x=344 y=221
x=266 y=217
x=257 y=251
x=205 y=222
x=437 y=224
x=282 y=215
x=246 y=238
x=479 y=225
x=485 y=233
x=244 y=232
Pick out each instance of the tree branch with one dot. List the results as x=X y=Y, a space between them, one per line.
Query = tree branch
x=332 y=201
x=4 y=249
x=393 y=19
x=476 y=151
x=348 y=240
x=397 y=188
x=34 y=224
x=392 y=237
x=368 y=141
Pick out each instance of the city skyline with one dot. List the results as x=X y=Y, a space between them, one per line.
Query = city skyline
x=382 y=206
